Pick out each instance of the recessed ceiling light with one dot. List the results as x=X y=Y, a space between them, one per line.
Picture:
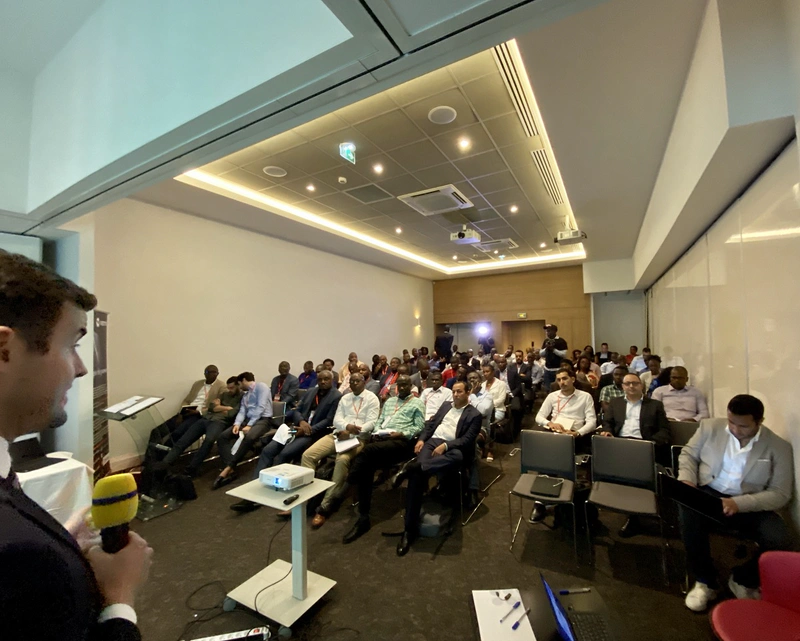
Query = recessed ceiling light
x=501 y=256
x=464 y=143
x=398 y=230
x=275 y=172
x=542 y=245
x=455 y=257
x=442 y=115
x=514 y=209
x=496 y=252
x=310 y=187
x=377 y=168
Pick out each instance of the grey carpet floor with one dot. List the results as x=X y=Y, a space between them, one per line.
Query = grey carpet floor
x=424 y=596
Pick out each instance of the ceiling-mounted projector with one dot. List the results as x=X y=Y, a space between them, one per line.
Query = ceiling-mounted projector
x=570 y=237
x=465 y=237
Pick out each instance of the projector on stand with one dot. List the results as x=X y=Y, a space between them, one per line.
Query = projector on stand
x=286 y=477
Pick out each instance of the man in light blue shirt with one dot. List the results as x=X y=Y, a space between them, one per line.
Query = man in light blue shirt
x=252 y=421
x=639 y=363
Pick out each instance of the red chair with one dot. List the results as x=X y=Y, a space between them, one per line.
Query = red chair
x=776 y=616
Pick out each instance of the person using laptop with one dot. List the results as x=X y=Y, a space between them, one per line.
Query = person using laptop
x=748 y=467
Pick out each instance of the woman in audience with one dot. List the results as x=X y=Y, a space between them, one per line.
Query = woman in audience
x=585 y=373
x=576 y=355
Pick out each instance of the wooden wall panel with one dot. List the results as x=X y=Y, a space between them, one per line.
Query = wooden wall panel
x=555 y=295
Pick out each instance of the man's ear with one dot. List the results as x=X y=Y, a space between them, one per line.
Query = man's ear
x=7 y=336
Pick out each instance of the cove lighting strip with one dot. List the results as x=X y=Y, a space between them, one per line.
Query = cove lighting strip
x=222 y=187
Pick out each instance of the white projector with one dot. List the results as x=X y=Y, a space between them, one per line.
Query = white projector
x=286 y=477
x=465 y=237
x=570 y=237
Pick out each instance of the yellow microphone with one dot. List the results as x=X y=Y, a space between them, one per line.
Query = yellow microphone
x=114 y=503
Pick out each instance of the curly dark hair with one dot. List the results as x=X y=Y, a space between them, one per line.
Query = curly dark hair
x=32 y=297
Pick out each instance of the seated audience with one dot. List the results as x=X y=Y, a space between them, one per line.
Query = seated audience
x=193 y=407
x=509 y=374
x=584 y=371
x=252 y=419
x=461 y=375
x=636 y=416
x=389 y=379
x=611 y=363
x=451 y=370
x=434 y=395
x=446 y=443
x=474 y=361
x=352 y=357
x=496 y=389
x=313 y=419
x=682 y=402
x=659 y=381
x=379 y=367
x=352 y=368
x=371 y=384
x=284 y=386
x=653 y=370
x=574 y=408
x=583 y=386
x=392 y=442
x=409 y=362
x=536 y=370
x=355 y=418
x=576 y=354
x=308 y=378
x=631 y=355
x=749 y=467
x=328 y=365
x=615 y=390
x=420 y=379
x=639 y=363
x=603 y=356
x=219 y=416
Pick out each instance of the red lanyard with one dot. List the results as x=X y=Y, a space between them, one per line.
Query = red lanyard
x=357 y=411
x=399 y=405
x=560 y=407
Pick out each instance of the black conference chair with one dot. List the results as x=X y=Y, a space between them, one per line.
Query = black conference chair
x=680 y=433
x=551 y=454
x=624 y=480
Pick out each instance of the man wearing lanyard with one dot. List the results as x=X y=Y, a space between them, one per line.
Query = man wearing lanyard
x=433 y=397
x=401 y=421
x=308 y=377
x=389 y=378
x=355 y=419
x=284 y=386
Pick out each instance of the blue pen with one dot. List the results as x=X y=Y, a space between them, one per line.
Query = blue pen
x=513 y=607
x=524 y=614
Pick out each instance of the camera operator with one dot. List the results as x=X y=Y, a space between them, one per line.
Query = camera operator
x=554 y=349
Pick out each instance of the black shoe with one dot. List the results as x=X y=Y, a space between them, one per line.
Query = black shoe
x=361 y=527
x=245 y=506
x=404 y=544
x=539 y=512
x=191 y=472
x=222 y=481
x=631 y=528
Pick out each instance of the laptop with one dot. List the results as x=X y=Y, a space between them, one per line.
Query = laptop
x=577 y=626
x=691 y=497
x=27 y=455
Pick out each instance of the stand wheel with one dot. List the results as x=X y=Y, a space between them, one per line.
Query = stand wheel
x=228 y=605
x=284 y=632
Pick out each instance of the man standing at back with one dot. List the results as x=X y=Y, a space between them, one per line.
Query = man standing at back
x=443 y=345
x=54 y=583
x=554 y=350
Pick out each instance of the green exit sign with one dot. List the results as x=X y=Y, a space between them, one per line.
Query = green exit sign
x=522 y=315
x=347 y=150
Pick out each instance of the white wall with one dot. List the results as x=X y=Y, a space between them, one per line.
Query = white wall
x=15 y=128
x=183 y=292
x=729 y=307
x=619 y=320
x=29 y=246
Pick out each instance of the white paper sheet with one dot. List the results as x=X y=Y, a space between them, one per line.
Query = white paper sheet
x=283 y=436
x=564 y=422
x=346 y=444
x=238 y=443
x=490 y=608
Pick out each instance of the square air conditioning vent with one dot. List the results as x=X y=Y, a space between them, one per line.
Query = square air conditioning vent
x=437 y=200
x=502 y=243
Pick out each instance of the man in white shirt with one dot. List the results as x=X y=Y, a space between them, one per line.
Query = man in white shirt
x=568 y=411
x=435 y=395
x=355 y=417
x=495 y=388
x=344 y=372
x=611 y=363
x=639 y=362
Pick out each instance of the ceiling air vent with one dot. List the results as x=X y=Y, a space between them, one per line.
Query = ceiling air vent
x=436 y=201
x=502 y=243
x=512 y=78
x=369 y=194
x=542 y=161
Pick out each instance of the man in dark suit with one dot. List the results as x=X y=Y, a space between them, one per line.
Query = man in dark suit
x=636 y=416
x=446 y=443
x=51 y=585
x=443 y=345
x=313 y=420
x=516 y=385
x=285 y=385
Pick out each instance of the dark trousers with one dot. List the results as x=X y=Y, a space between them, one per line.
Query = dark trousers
x=276 y=453
x=418 y=474
x=171 y=430
x=548 y=379
x=211 y=429
x=228 y=438
x=376 y=455
x=765 y=528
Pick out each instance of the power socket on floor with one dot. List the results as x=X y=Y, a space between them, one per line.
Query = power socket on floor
x=253 y=633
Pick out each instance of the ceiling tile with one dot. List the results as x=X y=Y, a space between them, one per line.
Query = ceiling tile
x=391 y=130
x=339 y=217
x=281 y=142
x=465 y=188
x=246 y=179
x=300 y=186
x=494 y=182
x=475 y=215
x=489 y=96
x=339 y=202
x=330 y=144
x=245 y=156
x=401 y=185
x=392 y=207
x=367 y=108
x=331 y=178
x=218 y=167
x=284 y=195
x=439 y=175
x=506 y=198
x=450 y=142
x=481 y=64
x=422 y=87
x=418 y=112
x=506 y=130
x=363 y=212
x=306 y=157
x=321 y=126
x=419 y=155
x=313 y=207
x=481 y=165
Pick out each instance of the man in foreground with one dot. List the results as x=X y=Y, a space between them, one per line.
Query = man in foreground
x=748 y=467
x=54 y=583
x=446 y=443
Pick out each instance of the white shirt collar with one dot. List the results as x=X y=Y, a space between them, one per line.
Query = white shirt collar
x=738 y=446
x=5 y=458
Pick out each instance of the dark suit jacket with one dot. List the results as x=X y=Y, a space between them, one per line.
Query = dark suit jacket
x=443 y=345
x=467 y=430
x=322 y=422
x=653 y=422
x=515 y=383
x=288 y=391
x=47 y=588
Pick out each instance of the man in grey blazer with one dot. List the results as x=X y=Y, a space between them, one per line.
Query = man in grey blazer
x=750 y=468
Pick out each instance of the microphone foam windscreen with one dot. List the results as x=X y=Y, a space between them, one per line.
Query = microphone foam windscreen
x=114 y=501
